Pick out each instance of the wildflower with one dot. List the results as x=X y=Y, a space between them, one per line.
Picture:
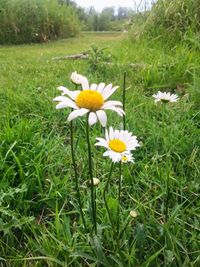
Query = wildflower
x=77 y=78
x=127 y=158
x=92 y=100
x=118 y=145
x=165 y=97
x=133 y=213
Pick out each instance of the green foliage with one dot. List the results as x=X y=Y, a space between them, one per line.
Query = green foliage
x=98 y=58
x=25 y=21
x=174 y=18
x=107 y=20
x=9 y=218
x=35 y=165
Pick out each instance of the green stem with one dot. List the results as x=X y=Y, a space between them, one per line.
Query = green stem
x=93 y=200
x=76 y=175
x=104 y=196
x=123 y=230
x=167 y=200
x=124 y=100
x=119 y=196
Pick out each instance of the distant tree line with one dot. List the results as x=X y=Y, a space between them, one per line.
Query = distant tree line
x=108 y=19
x=26 y=21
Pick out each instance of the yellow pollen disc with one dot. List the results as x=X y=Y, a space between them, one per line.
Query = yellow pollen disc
x=117 y=145
x=124 y=158
x=90 y=99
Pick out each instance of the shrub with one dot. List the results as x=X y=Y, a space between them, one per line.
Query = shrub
x=26 y=21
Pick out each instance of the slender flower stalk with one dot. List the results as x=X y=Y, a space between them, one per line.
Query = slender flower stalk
x=104 y=196
x=76 y=173
x=119 y=196
x=124 y=101
x=167 y=200
x=93 y=199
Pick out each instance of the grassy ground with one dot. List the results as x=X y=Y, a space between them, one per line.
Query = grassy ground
x=39 y=222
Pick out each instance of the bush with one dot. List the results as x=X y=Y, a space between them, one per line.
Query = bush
x=26 y=21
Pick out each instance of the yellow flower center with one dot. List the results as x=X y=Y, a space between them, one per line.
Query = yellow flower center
x=124 y=158
x=90 y=99
x=117 y=145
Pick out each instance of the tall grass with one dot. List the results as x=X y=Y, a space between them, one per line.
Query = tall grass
x=177 y=19
x=25 y=21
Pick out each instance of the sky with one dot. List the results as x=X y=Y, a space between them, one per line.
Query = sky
x=100 y=4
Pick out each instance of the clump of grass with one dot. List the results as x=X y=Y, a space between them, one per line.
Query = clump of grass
x=178 y=19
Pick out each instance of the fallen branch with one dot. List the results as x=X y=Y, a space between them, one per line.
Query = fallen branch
x=84 y=55
x=72 y=57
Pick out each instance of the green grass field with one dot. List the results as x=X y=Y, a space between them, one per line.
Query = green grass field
x=39 y=220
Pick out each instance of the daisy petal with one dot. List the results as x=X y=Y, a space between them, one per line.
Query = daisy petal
x=93 y=86
x=92 y=118
x=107 y=90
x=65 y=101
x=118 y=110
x=111 y=133
x=100 y=87
x=85 y=84
x=102 y=117
x=76 y=113
x=102 y=144
x=62 y=105
x=72 y=94
x=108 y=94
x=107 y=135
x=112 y=103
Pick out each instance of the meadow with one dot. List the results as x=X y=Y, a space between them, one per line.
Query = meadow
x=39 y=219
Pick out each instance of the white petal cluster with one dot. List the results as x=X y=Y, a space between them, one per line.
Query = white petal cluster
x=77 y=78
x=126 y=141
x=165 y=97
x=127 y=158
x=96 y=113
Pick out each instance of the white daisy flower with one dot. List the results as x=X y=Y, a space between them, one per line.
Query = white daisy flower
x=165 y=97
x=127 y=158
x=77 y=78
x=92 y=99
x=118 y=145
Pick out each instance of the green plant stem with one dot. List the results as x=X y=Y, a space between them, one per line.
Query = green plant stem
x=124 y=229
x=93 y=200
x=104 y=195
x=119 y=196
x=124 y=100
x=76 y=175
x=167 y=201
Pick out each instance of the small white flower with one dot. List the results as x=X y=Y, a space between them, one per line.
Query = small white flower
x=118 y=145
x=77 y=78
x=165 y=97
x=92 y=99
x=127 y=158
